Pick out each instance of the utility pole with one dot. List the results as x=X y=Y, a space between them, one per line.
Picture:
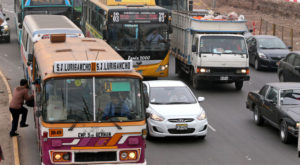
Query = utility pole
x=214 y=4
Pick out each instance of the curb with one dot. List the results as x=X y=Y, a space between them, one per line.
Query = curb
x=14 y=138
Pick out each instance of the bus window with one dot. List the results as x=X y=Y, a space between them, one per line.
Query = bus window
x=46 y=2
x=118 y=99
x=69 y=100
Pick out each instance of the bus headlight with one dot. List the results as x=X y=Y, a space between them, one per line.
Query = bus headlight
x=57 y=156
x=124 y=155
x=203 y=70
x=128 y=155
x=5 y=27
x=162 y=68
x=132 y=155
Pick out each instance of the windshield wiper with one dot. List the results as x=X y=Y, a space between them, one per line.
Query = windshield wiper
x=157 y=103
x=180 y=102
x=115 y=123
x=73 y=125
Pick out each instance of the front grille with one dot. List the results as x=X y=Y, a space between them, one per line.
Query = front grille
x=276 y=58
x=95 y=156
x=181 y=120
x=223 y=70
x=175 y=131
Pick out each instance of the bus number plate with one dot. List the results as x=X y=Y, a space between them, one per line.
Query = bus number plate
x=181 y=126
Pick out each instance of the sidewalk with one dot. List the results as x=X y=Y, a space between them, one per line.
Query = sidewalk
x=5 y=125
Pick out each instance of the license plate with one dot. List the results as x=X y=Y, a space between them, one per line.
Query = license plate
x=181 y=126
x=224 y=78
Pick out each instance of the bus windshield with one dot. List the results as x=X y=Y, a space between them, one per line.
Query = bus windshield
x=92 y=100
x=223 y=45
x=181 y=5
x=47 y=2
x=142 y=37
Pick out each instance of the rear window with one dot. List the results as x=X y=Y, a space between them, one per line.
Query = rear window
x=47 y=2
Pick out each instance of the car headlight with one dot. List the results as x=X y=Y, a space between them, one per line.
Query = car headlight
x=242 y=71
x=156 y=117
x=202 y=116
x=297 y=125
x=262 y=55
x=5 y=27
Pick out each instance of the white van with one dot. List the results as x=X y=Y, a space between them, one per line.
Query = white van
x=36 y=27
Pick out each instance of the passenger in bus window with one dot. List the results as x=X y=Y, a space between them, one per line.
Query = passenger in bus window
x=116 y=108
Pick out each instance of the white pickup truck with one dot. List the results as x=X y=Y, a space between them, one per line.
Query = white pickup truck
x=210 y=50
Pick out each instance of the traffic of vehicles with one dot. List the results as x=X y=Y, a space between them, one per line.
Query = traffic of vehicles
x=289 y=68
x=79 y=77
x=4 y=28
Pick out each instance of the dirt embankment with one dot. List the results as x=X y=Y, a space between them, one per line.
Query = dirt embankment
x=273 y=7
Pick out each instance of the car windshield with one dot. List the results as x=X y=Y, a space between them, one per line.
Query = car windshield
x=271 y=43
x=290 y=97
x=134 y=37
x=114 y=99
x=171 y=95
x=223 y=45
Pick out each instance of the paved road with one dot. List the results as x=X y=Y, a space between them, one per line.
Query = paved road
x=233 y=139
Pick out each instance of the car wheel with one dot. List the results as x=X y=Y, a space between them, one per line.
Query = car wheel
x=281 y=78
x=239 y=85
x=256 y=64
x=284 y=134
x=258 y=120
x=148 y=137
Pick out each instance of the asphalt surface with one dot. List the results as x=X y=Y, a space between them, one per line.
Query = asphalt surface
x=233 y=138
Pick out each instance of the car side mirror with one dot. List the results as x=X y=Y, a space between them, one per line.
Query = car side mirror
x=250 y=30
x=297 y=68
x=146 y=99
x=201 y=99
x=20 y=26
x=7 y=19
x=194 y=48
x=290 y=47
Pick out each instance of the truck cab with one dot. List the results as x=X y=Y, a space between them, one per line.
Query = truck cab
x=220 y=57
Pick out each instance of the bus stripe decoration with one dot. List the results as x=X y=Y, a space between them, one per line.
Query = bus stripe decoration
x=296 y=1
x=92 y=66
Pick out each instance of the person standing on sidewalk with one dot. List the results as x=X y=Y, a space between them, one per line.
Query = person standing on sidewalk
x=20 y=94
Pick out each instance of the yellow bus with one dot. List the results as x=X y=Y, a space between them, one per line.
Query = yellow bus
x=137 y=30
x=89 y=103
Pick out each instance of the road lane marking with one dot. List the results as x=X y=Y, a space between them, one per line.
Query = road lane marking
x=212 y=128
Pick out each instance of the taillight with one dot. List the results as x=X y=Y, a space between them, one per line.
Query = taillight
x=45 y=136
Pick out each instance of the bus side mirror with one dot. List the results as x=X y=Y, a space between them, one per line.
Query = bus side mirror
x=146 y=100
x=104 y=34
x=194 y=48
x=20 y=18
x=30 y=59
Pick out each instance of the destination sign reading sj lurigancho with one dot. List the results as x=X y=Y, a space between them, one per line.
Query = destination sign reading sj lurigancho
x=92 y=66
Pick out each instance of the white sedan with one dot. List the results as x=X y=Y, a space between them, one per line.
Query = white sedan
x=174 y=110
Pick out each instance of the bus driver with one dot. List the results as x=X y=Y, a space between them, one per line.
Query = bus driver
x=116 y=108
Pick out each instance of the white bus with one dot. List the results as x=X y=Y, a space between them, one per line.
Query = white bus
x=36 y=27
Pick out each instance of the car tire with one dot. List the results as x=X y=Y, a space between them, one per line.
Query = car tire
x=256 y=64
x=258 y=119
x=284 y=134
x=281 y=78
x=148 y=137
x=239 y=85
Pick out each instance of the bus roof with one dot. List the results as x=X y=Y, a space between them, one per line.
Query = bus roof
x=41 y=24
x=127 y=2
x=47 y=53
x=123 y=6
